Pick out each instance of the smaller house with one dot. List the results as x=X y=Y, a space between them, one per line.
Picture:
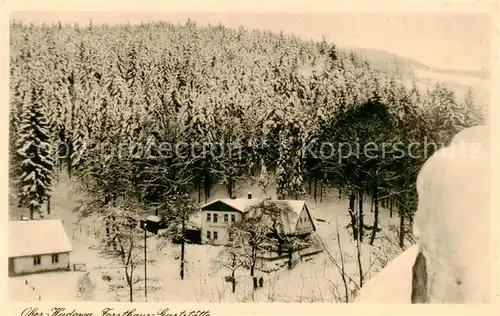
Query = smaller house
x=193 y=229
x=38 y=246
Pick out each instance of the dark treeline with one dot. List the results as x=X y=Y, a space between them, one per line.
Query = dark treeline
x=74 y=88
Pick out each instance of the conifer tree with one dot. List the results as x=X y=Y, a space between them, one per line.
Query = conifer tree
x=36 y=161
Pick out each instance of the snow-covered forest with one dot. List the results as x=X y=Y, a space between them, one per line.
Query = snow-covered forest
x=138 y=116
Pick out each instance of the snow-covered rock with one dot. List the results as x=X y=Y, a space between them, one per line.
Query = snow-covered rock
x=452 y=226
x=393 y=283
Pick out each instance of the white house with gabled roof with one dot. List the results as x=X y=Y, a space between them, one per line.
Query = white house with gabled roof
x=38 y=246
x=218 y=215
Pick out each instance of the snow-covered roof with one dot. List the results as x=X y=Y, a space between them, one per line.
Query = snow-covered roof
x=194 y=221
x=153 y=218
x=37 y=237
x=296 y=206
x=240 y=204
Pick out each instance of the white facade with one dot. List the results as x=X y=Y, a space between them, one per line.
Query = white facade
x=41 y=263
x=215 y=224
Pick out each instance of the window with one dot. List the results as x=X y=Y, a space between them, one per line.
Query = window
x=233 y=218
x=209 y=236
x=215 y=236
x=37 y=260
x=230 y=236
x=208 y=217
x=226 y=218
x=215 y=218
x=55 y=259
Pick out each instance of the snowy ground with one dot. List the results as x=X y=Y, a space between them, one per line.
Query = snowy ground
x=314 y=280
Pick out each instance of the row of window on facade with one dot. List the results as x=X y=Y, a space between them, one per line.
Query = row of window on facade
x=216 y=218
x=216 y=235
x=37 y=260
x=233 y=218
x=209 y=235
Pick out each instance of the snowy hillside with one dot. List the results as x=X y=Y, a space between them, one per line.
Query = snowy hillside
x=426 y=77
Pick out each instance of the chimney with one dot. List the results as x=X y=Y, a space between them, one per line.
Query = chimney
x=249 y=195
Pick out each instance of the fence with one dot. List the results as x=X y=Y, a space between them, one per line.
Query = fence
x=299 y=252
x=79 y=267
x=39 y=297
x=297 y=255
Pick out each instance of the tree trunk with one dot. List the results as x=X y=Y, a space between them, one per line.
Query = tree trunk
x=69 y=168
x=32 y=213
x=198 y=180
x=48 y=205
x=207 y=187
x=130 y=284
x=390 y=208
x=233 y=280
x=360 y=216
x=290 y=258
x=315 y=190
x=107 y=225
x=352 y=203
x=183 y=241
x=340 y=193
x=113 y=221
x=402 y=211
x=131 y=291
x=233 y=283
x=230 y=191
x=252 y=267
x=321 y=192
x=309 y=190
x=371 y=205
x=360 y=265
x=375 y=220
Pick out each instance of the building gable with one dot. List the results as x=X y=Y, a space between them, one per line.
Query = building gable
x=310 y=217
x=304 y=221
x=219 y=206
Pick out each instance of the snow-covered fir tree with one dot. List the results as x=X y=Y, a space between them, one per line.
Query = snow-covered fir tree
x=36 y=160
